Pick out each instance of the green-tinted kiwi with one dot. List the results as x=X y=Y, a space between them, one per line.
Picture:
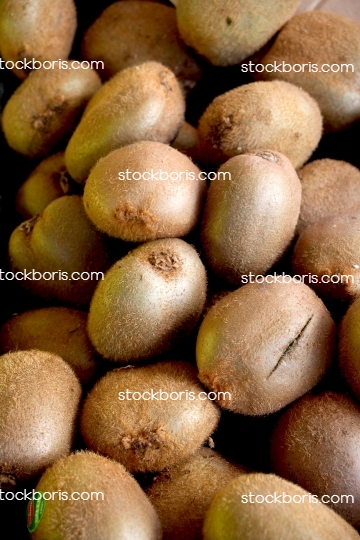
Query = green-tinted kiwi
x=247 y=509
x=59 y=330
x=264 y=345
x=140 y=103
x=152 y=35
x=60 y=241
x=149 y=417
x=329 y=187
x=137 y=209
x=29 y=29
x=108 y=503
x=182 y=495
x=328 y=252
x=227 y=32
x=148 y=301
x=316 y=444
x=187 y=141
x=39 y=398
x=250 y=214
x=46 y=183
x=317 y=39
x=275 y=115
x=349 y=347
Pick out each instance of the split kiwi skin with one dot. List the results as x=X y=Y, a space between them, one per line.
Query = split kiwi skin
x=124 y=513
x=266 y=345
x=148 y=435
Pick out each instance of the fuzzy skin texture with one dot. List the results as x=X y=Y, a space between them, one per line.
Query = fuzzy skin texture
x=250 y=216
x=124 y=514
x=140 y=103
x=275 y=115
x=267 y=344
x=182 y=495
x=148 y=301
x=47 y=182
x=187 y=141
x=143 y=210
x=29 y=29
x=152 y=35
x=39 y=399
x=349 y=347
x=46 y=107
x=322 y=38
x=225 y=32
x=62 y=239
x=331 y=247
x=148 y=435
x=329 y=187
x=230 y=518
x=316 y=444
x=58 y=330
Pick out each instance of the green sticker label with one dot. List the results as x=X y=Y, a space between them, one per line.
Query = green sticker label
x=35 y=510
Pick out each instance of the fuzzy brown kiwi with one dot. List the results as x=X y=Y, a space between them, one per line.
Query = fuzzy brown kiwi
x=234 y=514
x=329 y=249
x=140 y=103
x=182 y=494
x=250 y=214
x=227 y=32
x=138 y=209
x=264 y=345
x=329 y=187
x=349 y=347
x=59 y=330
x=153 y=35
x=319 y=38
x=120 y=509
x=39 y=399
x=46 y=107
x=48 y=181
x=148 y=301
x=275 y=115
x=148 y=434
x=187 y=141
x=316 y=445
x=61 y=240
x=29 y=29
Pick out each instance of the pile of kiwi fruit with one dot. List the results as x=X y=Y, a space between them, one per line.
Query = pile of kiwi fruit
x=168 y=338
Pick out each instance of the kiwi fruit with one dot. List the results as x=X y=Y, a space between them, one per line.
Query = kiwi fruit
x=226 y=33
x=29 y=29
x=39 y=399
x=187 y=141
x=316 y=445
x=250 y=214
x=182 y=494
x=264 y=345
x=45 y=108
x=153 y=35
x=313 y=39
x=58 y=330
x=275 y=115
x=328 y=253
x=140 y=103
x=239 y=511
x=138 y=209
x=121 y=510
x=349 y=347
x=161 y=422
x=48 y=181
x=148 y=301
x=57 y=243
x=329 y=187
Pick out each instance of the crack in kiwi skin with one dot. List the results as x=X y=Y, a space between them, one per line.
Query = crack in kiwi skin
x=43 y=121
x=140 y=442
x=128 y=212
x=290 y=346
x=269 y=156
x=28 y=225
x=164 y=261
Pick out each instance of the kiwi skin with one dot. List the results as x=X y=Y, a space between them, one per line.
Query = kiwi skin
x=125 y=512
x=187 y=141
x=148 y=301
x=275 y=115
x=148 y=435
x=58 y=330
x=39 y=399
x=229 y=516
x=349 y=347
